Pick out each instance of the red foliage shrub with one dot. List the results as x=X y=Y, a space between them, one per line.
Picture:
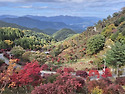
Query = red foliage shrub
x=114 y=89
x=120 y=81
x=91 y=62
x=29 y=74
x=64 y=84
x=58 y=60
x=68 y=70
x=59 y=71
x=93 y=73
x=102 y=83
x=107 y=73
x=6 y=55
x=92 y=84
x=3 y=67
x=106 y=85
x=44 y=67
x=82 y=73
x=83 y=88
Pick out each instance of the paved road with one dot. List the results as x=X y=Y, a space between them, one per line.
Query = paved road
x=7 y=60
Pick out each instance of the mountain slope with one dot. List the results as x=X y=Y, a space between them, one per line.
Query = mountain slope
x=5 y=24
x=63 y=34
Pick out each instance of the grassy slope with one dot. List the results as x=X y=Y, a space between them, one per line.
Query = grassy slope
x=63 y=34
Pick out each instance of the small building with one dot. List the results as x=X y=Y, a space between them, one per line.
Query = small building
x=46 y=52
x=46 y=72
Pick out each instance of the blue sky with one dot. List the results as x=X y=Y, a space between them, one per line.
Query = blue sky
x=96 y=8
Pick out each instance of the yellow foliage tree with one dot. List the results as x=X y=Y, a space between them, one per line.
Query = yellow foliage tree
x=5 y=75
x=96 y=90
x=8 y=42
x=108 y=30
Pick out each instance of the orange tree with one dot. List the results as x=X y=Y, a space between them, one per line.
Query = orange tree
x=5 y=76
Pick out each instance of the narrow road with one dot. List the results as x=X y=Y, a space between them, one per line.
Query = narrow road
x=3 y=58
x=7 y=60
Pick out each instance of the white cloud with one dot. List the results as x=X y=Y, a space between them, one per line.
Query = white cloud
x=34 y=7
x=8 y=0
x=43 y=7
x=30 y=6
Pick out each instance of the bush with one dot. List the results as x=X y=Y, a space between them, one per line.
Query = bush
x=96 y=90
x=17 y=51
x=83 y=88
x=121 y=27
x=102 y=84
x=108 y=30
x=114 y=89
x=26 y=55
x=95 y=44
x=44 y=67
x=50 y=78
x=64 y=84
x=114 y=36
x=106 y=85
x=120 y=81
x=82 y=73
x=28 y=75
x=68 y=70
x=118 y=21
x=123 y=32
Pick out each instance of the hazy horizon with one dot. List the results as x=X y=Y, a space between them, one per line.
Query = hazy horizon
x=46 y=15
x=80 y=8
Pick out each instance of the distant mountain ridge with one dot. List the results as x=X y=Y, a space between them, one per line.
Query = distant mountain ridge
x=65 y=19
x=32 y=23
x=8 y=16
x=78 y=24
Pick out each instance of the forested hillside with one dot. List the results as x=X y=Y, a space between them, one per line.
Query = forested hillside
x=63 y=34
x=27 y=39
x=92 y=62
x=5 y=24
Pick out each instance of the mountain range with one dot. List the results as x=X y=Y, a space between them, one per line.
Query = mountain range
x=55 y=23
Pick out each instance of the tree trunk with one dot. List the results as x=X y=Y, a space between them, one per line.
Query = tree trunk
x=117 y=75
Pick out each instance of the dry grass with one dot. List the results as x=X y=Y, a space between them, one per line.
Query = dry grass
x=123 y=87
x=80 y=66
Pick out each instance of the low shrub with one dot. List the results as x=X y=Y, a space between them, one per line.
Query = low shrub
x=64 y=84
x=120 y=81
x=83 y=74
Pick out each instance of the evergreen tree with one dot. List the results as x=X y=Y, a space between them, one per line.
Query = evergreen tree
x=95 y=44
x=116 y=56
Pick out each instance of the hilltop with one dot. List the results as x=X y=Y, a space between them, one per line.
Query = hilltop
x=63 y=34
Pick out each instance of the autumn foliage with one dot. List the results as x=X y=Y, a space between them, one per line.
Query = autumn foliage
x=64 y=84
x=29 y=74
